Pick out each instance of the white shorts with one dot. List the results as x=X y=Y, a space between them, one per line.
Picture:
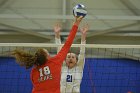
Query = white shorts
x=70 y=89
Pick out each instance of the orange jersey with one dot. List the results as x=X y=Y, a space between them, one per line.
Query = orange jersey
x=46 y=78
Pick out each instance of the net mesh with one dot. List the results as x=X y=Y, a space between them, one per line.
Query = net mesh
x=108 y=68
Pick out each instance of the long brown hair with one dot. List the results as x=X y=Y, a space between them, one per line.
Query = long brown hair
x=24 y=58
x=27 y=59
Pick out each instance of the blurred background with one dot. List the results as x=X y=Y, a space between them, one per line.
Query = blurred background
x=32 y=21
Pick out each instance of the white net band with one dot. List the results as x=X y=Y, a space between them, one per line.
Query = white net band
x=92 y=50
x=73 y=45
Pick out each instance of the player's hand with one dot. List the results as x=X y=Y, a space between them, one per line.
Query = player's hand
x=84 y=29
x=57 y=28
x=78 y=20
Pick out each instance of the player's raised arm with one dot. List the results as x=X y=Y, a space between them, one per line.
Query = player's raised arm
x=81 y=57
x=57 y=30
x=63 y=52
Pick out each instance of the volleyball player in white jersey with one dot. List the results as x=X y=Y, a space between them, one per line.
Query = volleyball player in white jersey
x=72 y=69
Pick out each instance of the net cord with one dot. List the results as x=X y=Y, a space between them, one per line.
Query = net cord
x=73 y=45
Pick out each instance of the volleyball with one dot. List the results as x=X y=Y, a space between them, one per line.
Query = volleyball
x=79 y=10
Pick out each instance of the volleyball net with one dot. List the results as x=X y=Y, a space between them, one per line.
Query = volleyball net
x=108 y=68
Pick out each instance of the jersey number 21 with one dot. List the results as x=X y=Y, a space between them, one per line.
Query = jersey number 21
x=69 y=78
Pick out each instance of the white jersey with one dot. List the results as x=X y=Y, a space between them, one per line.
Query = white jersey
x=71 y=78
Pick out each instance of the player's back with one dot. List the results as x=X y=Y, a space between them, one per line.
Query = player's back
x=46 y=78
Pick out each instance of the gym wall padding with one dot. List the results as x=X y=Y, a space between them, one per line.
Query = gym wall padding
x=105 y=75
x=101 y=75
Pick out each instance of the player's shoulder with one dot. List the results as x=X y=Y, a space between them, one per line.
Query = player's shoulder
x=33 y=69
x=64 y=68
x=53 y=59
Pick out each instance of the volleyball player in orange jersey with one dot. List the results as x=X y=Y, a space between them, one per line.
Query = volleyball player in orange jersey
x=46 y=71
